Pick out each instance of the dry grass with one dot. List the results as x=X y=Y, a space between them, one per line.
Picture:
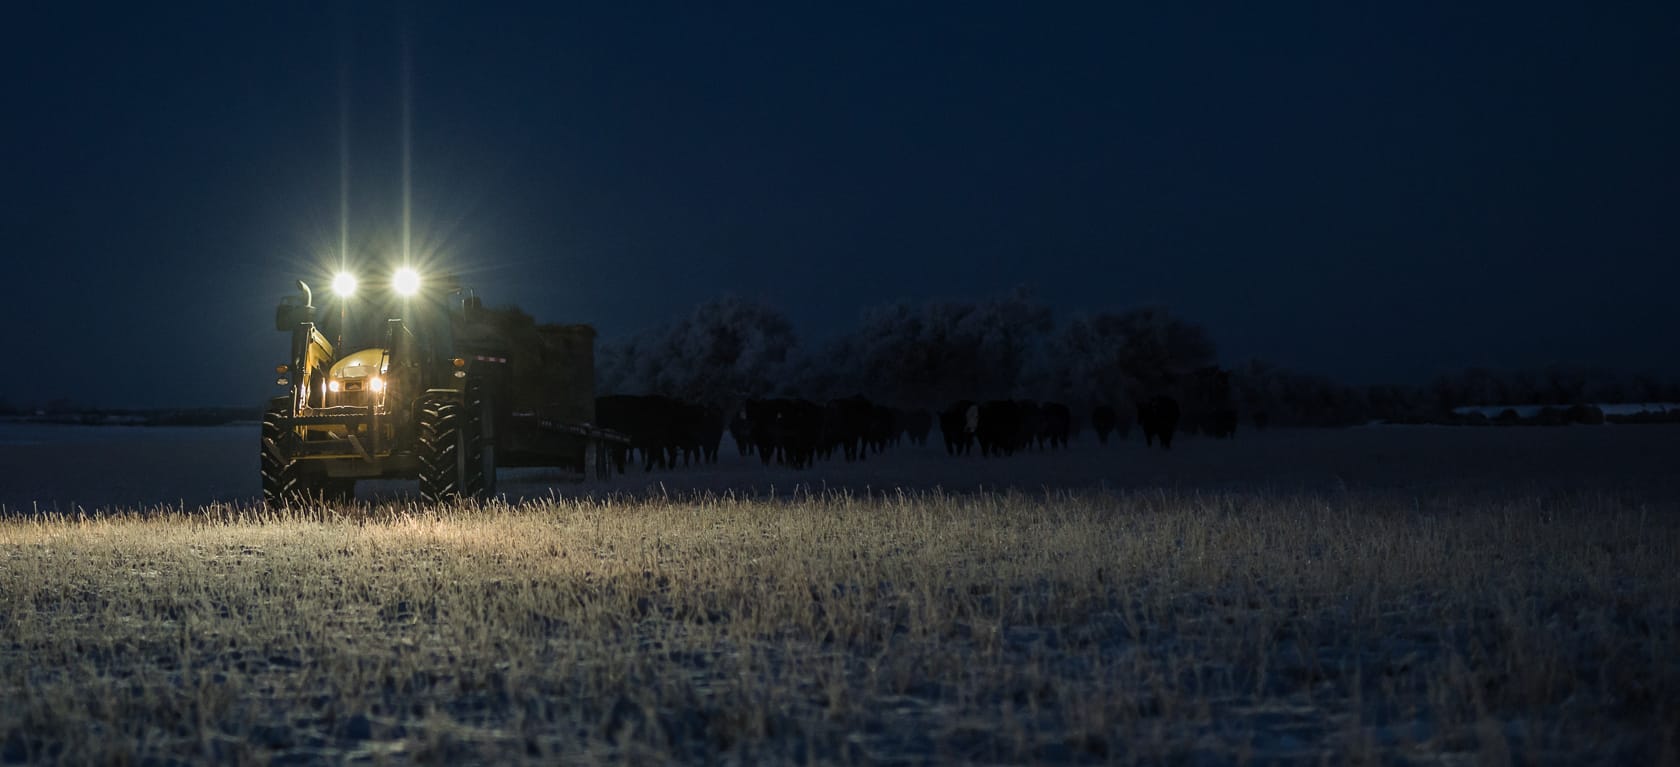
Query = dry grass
x=1093 y=627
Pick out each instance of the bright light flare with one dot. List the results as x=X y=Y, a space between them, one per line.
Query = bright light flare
x=376 y=384
x=406 y=282
x=344 y=284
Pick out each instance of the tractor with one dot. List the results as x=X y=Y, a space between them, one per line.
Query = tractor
x=422 y=381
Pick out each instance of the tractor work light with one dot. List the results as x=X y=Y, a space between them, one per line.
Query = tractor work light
x=344 y=284
x=406 y=281
x=376 y=384
x=332 y=386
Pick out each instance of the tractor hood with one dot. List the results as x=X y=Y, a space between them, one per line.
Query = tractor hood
x=358 y=364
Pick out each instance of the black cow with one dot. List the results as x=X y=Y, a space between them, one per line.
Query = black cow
x=764 y=418
x=741 y=430
x=1159 y=419
x=1057 y=422
x=802 y=432
x=849 y=418
x=917 y=424
x=651 y=423
x=831 y=428
x=710 y=432
x=1103 y=419
x=1029 y=426
x=688 y=423
x=957 y=423
x=999 y=431
x=879 y=433
x=785 y=430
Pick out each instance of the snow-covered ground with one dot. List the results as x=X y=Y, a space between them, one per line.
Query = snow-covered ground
x=1529 y=411
x=1442 y=595
x=70 y=467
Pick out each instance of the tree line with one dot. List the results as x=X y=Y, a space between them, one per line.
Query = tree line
x=923 y=356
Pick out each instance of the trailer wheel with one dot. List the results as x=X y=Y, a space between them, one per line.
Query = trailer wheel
x=440 y=440
x=280 y=477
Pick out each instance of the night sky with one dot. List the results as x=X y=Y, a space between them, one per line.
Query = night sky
x=1375 y=194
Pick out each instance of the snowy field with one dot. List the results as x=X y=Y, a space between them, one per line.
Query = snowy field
x=67 y=468
x=1396 y=595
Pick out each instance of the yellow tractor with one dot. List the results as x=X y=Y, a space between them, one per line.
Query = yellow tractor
x=426 y=384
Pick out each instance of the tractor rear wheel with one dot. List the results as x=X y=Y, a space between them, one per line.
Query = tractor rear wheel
x=280 y=476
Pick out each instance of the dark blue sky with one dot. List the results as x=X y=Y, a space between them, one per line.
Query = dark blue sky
x=1377 y=194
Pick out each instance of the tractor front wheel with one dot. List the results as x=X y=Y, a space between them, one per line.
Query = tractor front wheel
x=280 y=476
x=451 y=452
x=478 y=444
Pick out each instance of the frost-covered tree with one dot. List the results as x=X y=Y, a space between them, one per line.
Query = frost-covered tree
x=1118 y=357
x=926 y=356
x=723 y=350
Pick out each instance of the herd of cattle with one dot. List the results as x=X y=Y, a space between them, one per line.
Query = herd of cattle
x=666 y=432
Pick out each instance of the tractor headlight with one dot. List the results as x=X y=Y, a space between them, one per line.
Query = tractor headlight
x=344 y=284
x=406 y=281
x=332 y=386
x=376 y=383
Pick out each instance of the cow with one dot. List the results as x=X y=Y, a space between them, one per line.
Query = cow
x=785 y=430
x=899 y=427
x=764 y=419
x=652 y=423
x=741 y=430
x=1029 y=428
x=917 y=424
x=849 y=417
x=688 y=423
x=710 y=432
x=802 y=432
x=1057 y=422
x=1103 y=419
x=1159 y=419
x=957 y=424
x=999 y=430
x=879 y=432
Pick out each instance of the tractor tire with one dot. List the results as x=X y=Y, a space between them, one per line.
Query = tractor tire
x=281 y=482
x=478 y=447
x=439 y=440
x=456 y=461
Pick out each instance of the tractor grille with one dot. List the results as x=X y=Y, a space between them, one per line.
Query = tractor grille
x=350 y=396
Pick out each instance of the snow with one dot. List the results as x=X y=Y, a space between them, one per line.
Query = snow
x=1529 y=411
